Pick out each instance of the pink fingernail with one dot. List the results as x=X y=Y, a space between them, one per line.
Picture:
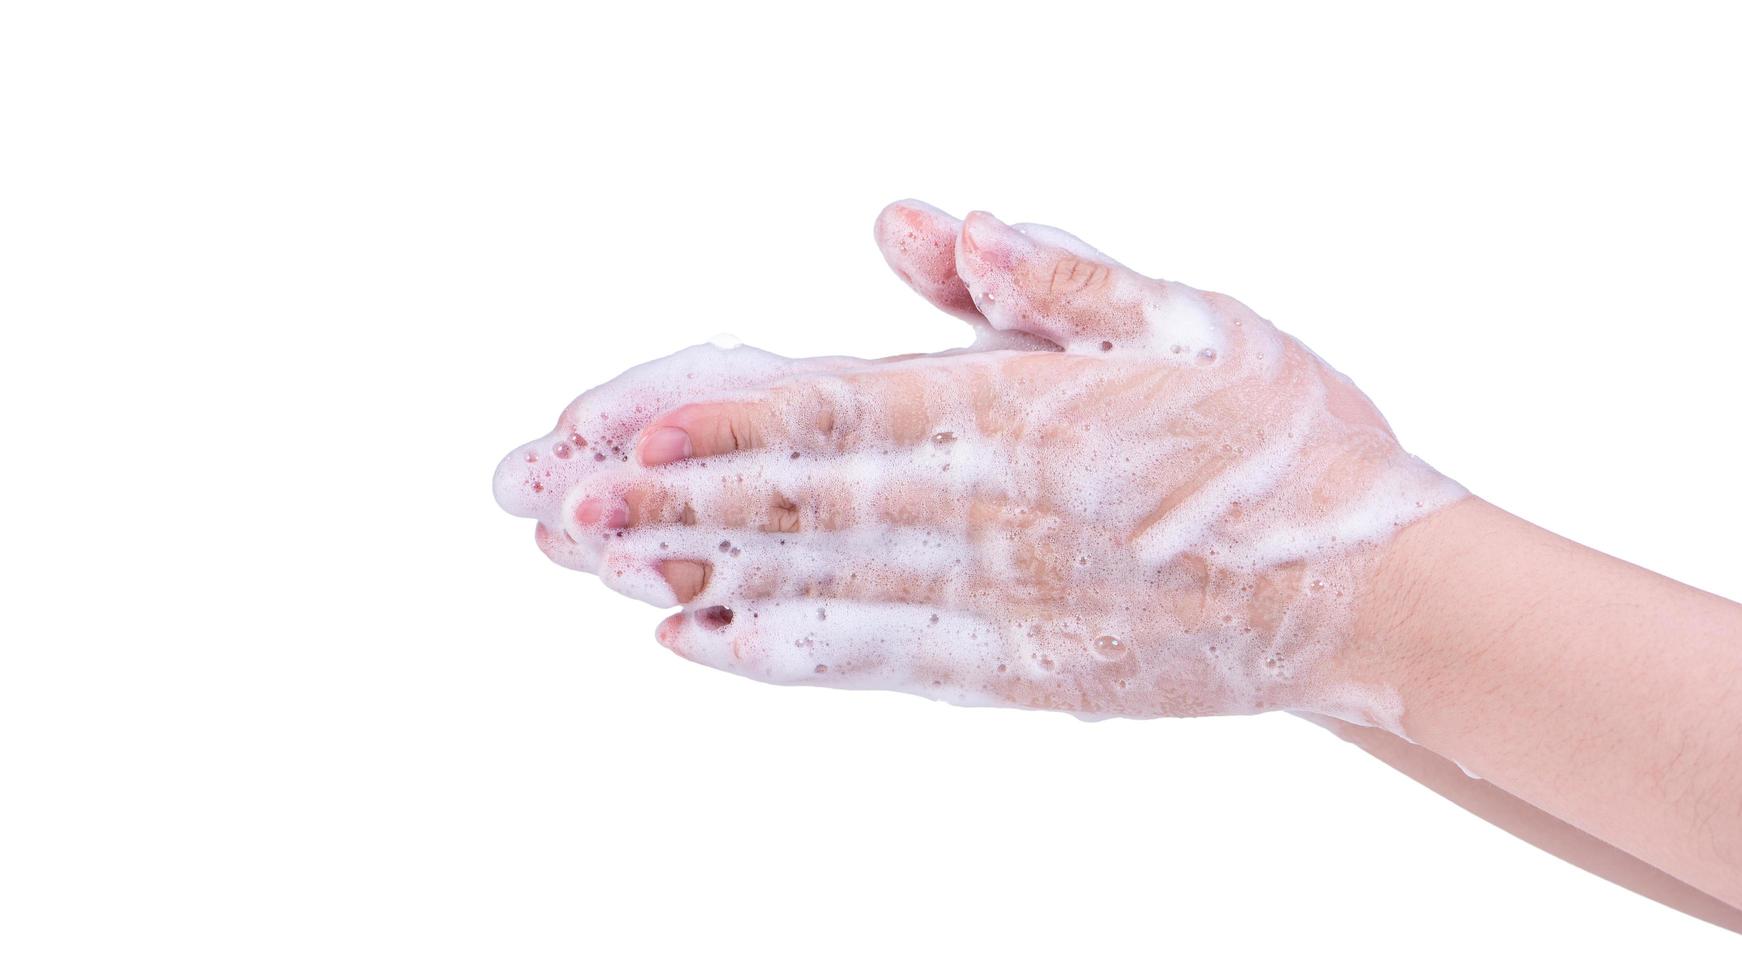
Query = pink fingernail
x=665 y=445
x=980 y=229
x=593 y=511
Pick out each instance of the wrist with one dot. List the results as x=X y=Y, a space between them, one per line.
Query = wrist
x=1420 y=621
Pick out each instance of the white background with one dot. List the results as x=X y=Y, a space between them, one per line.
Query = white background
x=285 y=694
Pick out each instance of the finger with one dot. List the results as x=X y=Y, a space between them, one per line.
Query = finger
x=1046 y=282
x=935 y=652
x=675 y=565
x=941 y=654
x=598 y=428
x=825 y=414
x=919 y=243
x=763 y=525
x=595 y=435
x=770 y=493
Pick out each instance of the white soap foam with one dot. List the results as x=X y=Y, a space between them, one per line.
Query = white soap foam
x=1128 y=531
x=597 y=431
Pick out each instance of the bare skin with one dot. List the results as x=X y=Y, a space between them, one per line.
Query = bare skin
x=975 y=535
x=1598 y=692
x=1533 y=825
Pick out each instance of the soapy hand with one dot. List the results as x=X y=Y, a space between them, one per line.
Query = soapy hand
x=1129 y=497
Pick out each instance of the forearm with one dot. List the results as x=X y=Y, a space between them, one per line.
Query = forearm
x=1597 y=691
x=1532 y=824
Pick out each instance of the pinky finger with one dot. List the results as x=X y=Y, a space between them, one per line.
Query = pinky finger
x=943 y=655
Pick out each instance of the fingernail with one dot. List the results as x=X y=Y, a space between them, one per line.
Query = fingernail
x=664 y=445
x=593 y=511
x=979 y=227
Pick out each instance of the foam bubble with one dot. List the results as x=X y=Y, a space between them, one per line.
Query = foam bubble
x=1180 y=524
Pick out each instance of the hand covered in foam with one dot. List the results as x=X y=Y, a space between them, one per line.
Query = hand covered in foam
x=1129 y=497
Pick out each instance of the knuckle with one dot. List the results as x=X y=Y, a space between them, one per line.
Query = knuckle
x=783 y=516
x=687 y=579
x=827 y=423
x=737 y=429
x=1072 y=274
x=721 y=438
x=831 y=418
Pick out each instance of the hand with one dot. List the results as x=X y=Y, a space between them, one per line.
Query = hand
x=1131 y=497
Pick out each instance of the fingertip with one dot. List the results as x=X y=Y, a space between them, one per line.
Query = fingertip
x=593 y=511
x=704 y=636
x=920 y=243
x=985 y=247
x=707 y=429
x=561 y=548
x=913 y=236
x=981 y=229
x=907 y=215
x=665 y=444
x=670 y=633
